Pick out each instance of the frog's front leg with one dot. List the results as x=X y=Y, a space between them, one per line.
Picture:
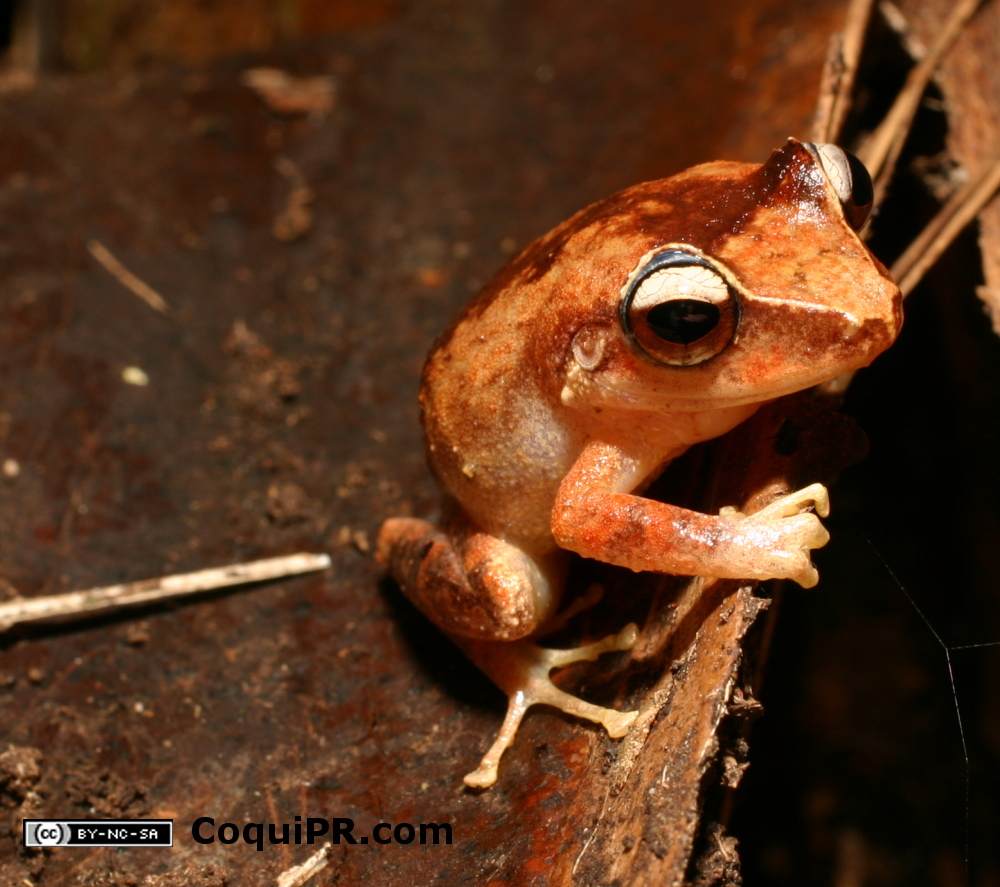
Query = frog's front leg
x=595 y=515
x=488 y=596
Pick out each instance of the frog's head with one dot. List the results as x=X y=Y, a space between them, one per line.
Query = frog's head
x=747 y=282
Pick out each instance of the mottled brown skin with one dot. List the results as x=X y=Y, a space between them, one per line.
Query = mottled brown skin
x=543 y=418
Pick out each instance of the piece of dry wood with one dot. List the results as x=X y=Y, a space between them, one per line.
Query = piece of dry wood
x=654 y=788
x=969 y=78
x=298 y=875
x=78 y=603
x=880 y=152
x=286 y=94
x=839 y=72
x=296 y=217
x=955 y=215
x=127 y=279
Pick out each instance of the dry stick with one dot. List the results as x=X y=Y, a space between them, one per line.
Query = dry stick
x=829 y=89
x=75 y=603
x=911 y=266
x=297 y=875
x=127 y=279
x=881 y=151
x=880 y=155
x=839 y=72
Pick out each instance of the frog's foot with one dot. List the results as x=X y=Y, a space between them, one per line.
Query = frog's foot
x=521 y=670
x=783 y=534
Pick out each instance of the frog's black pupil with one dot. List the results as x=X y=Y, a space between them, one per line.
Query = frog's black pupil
x=683 y=321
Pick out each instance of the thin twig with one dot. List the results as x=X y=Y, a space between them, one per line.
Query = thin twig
x=297 y=875
x=879 y=154
x=963 y=207
x=830 y=84
x=76 y=603
x=842 y=62
x=127 y=279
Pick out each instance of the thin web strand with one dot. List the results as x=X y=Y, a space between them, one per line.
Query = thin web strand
x=954 y=696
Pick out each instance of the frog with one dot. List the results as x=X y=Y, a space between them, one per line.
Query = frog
x=648 y=322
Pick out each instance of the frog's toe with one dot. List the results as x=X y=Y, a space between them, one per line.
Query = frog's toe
x=818 y=534
x=815 y=495
x=483 y=776
x=809 y=533
x=730 y=511
x=624 y=640
x=618 y=722
x=820 y=497
x=808 y=577
x=801 y=533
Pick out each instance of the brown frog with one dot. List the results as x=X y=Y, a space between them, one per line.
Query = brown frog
x=658 y=318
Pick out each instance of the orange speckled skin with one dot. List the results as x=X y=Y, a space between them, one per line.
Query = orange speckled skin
x=543 y=418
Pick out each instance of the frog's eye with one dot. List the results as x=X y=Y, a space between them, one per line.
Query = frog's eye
x=850 y=180
x=679 y=309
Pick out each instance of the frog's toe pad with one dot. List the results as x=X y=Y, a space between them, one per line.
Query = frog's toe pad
x=618 y=722
x=482 y=777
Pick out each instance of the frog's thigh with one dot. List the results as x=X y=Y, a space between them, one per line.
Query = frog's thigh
x=469 y=583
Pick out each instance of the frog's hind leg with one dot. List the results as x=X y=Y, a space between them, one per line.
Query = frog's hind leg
x=521 y=670
x=489 y=596
x=467 y=582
